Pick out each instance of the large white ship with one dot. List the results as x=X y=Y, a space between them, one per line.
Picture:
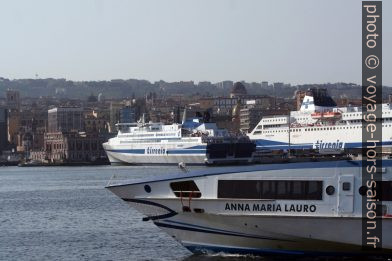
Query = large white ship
x=157 y=143
x=318 y=125
x=303 y=208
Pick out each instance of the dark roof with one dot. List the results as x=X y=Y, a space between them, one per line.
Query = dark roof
x=239 y=88
x=321 y=97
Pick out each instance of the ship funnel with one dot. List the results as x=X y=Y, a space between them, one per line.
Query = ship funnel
x=317 y=99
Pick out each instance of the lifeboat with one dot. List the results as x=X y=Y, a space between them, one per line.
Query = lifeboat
x=326 y=115
x=317 y=115
x=332 y=114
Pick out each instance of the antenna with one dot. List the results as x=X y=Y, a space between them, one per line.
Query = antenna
x=184 y=117
x=289 y=151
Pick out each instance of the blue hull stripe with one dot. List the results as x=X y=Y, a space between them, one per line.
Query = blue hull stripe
x=269 y=144
x=217 y=230
x=195 y=229
x=142 y=151
x=275 y=252
x=170 y=213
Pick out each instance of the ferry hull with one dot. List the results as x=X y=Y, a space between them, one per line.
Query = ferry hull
x=116 y=158
x=193 y=155
x=328 y=226
x=260 y=235
x=269 y=235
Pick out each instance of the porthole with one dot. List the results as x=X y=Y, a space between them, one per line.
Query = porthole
x=330 y=190
x=147 y=188
x=362 y=190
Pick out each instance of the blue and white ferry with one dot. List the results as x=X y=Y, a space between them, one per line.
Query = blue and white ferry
x=319 y=125
x=157 y=143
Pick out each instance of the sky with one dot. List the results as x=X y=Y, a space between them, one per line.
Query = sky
x=297 y=42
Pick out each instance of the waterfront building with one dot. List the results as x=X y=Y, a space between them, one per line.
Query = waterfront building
x=65 y=119
x=63 y=147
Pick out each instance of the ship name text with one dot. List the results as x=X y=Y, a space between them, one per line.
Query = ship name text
x=152 y=150
x=270 y=207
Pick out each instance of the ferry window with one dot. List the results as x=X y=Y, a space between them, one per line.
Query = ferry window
x=270 y=189
x=185 y=189
x=385 y=191
x=297 y=187
x=346 y=186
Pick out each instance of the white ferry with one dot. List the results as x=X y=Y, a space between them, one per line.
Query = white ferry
x=318 y=125
x=303 y=208
x=156 y=143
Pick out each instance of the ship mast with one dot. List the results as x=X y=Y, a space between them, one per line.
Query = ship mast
x=289 y=151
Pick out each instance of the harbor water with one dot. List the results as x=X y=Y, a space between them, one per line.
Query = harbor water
x=64 y=213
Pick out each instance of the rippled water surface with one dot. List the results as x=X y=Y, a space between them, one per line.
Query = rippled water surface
x=64 y=213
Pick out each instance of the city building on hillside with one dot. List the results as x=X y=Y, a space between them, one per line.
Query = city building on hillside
x=206 y=103
x=278 y=85
x=253 y=111
x=96 y=122
x=224 y=85
x=114 y=115
x=3 y=129
x=30 y=133
x=13 y=100
x=250 y=115
x=238 y=90
x=299 y=96
x=127 y=114
x=225 y=105
x=65 y=119
x=13 y=126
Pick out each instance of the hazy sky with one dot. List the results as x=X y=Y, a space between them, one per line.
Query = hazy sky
x=283 y=40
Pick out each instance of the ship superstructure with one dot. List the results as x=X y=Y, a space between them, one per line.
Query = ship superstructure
x=318 y=125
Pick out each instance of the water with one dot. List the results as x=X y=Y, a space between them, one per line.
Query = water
x=64 y=213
